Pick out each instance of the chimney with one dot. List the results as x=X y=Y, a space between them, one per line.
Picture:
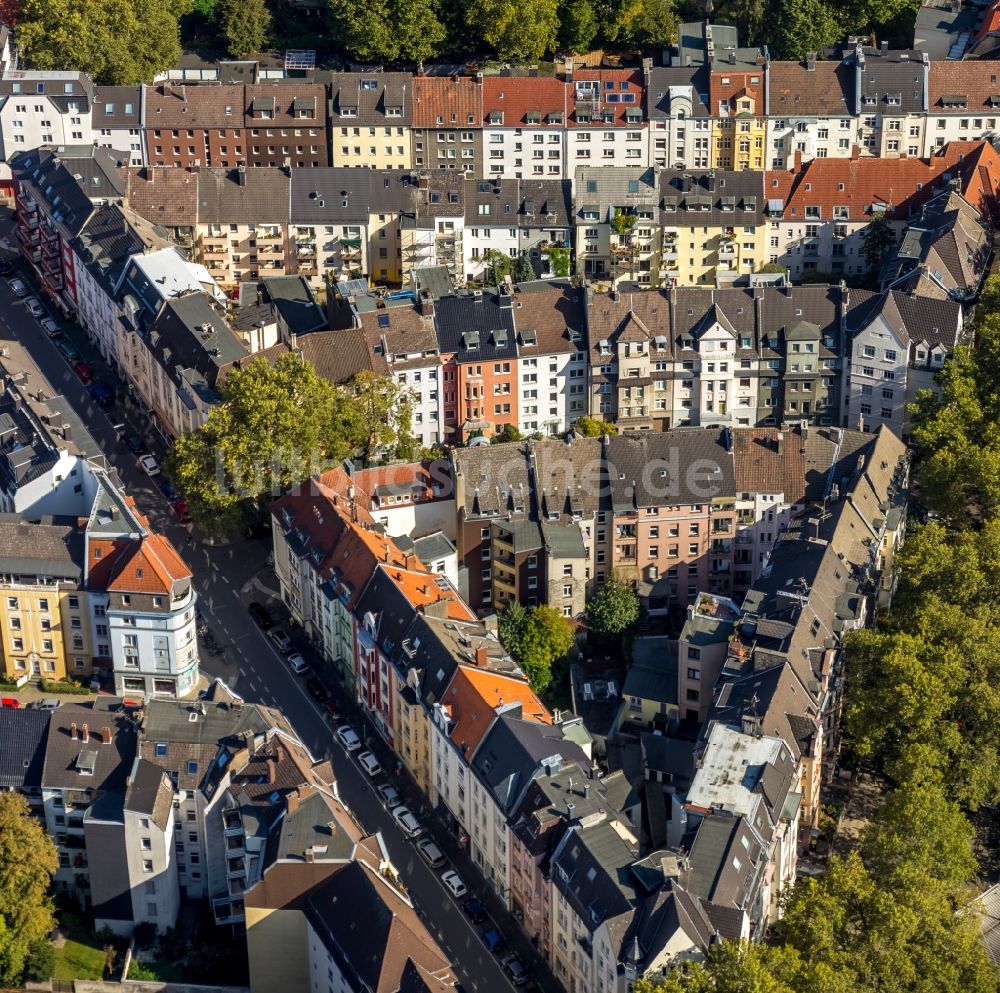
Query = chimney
x=292 y=802
x=272 y=770
x=106 y=735
x=732 y=56
x=482 y=656
x=855 y=153
x=570 y=811
x=586 y=791
x=884 y=48
x=781 y=439
x=387 y=554
x=810 y=61
x=241 y=174
x=310 y=855
x=85 y=733
x=72 y=730
x=410 y=561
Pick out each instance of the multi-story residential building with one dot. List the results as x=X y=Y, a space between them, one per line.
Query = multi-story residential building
x=43 y=108
x=370 y=120
x=617 y=224
x=117 y=122
x=57 y=191
x=891 y=98
x=702 y=647
x=673 y=509
x=680 y=124
x=713 y=227
x=738 y=102
x=901 y=345
x=552 y=355
x=286 y=124
x=448 y=123
x=328 y=223
x=545 y=226
x=167 y=197
x=243 y=217
x=25 y=733
x=412 y=499
x=811 y=111
x=187 y=126
x=524 y=127
x=431 y=223
x=606 y=124
x=963 y=105
x=178 y=367
x=480 y=376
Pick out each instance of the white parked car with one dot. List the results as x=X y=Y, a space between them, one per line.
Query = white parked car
x=408 y=824
x=149 y=465
x=390 y=795
x=37 y=310
x=432 y=855
x=20 y=290
x=453 y=881
x=50 y=327
x=298 y=663
x=349 y=738
x=369 y=763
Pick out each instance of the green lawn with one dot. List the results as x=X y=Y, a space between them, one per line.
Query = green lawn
x=79 y=958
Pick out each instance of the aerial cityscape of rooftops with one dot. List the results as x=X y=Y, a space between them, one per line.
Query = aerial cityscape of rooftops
x=499 y=494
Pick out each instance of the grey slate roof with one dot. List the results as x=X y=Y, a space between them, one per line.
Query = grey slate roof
x=914 y=318
x=601 y=189
x=294 y=300
x=110 y=107
x=149 y=792
x=685 y=465
x=370 y=95
x=243 y=196
x=62 y=752
x=472 y=326
x=24 y=734
x=658 y=84
x=893 y=82
x=330 y=195
x=712 y=875
x=712 y=198
x=653 y=672
x=28 y=549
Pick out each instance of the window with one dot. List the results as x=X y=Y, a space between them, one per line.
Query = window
x=147 y=865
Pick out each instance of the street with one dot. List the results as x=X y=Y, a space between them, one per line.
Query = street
x=254 y=669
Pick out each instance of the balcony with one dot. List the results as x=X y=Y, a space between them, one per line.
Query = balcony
x=27 y=203
x=727 y=249
x=29 y=237
x=721 y=546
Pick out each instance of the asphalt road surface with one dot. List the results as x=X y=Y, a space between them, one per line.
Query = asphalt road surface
x=255 y=670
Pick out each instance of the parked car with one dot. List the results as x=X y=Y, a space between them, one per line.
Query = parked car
x=6 y=267
x=349 y=737
x=50 y=327
x=316 y=689
x=181 y=510
x=390 y=795
x=330 y=706
x=135 y=443
x=100 y=393
x=453 y=881
x=281 y=640
x=49 y=703
x=369 y=763
x=68 y=349
x=514 y=968
x=167 y=489
x=34 y=307
x=432 y=855
x=83 y=370
x=408 y=824
x=474 y=910
x=493 y=939
x=260 y=615
x=298 y=663
x=20 y=290
x=149 y=465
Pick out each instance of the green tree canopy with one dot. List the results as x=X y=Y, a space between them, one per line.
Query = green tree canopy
x=27 y=863
x=591 y=427
x=379 y=416
x=118 y=42
x=510 y=627
x=801 y=26
x=546 y=638
x=578 y=25
x=515 y=29
x=246 y=26
x=879 y=241
x=613 y=609
x=388 y=30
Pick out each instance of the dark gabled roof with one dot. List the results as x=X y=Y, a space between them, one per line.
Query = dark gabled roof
x=550 y=317
x=243 y=196
x=371 y=95
x=712 y=874
x=658 y=469
x=718 y=197
x=890 y=82
x=149 y=792
x=330 y=195
x=660 y=81
x=24 y=734
x=110 y=103
x=62 y=752
x=293 y=299
x=467 y=326
x=913 y=318
x=29 y=549
x=653 y=672
x=805 y=89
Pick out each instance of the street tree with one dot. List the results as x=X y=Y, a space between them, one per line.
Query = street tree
x=28 y=861
x=119 y=42
x=613 y=609
x=246 y=26
x=547 y=638
x=517 y=30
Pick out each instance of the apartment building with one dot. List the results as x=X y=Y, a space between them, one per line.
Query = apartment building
x=189 y=125
x=448 y=123
x=117 y=122
x=901 y=345
x=617 y=224
x=680 y=123
x=524 y=127
x=606 y=123
x=963 y=103
x=371 y=120
x=57 y=191
x=328 y=223
x=42 y=108
x=167 y=197
x=431 y=224
x=738 y=101
x=413 y=499
x=286 y=124
x=811 y=112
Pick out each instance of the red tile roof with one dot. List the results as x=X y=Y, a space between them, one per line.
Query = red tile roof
x=420 y=476
x=173 y=105
x=614 y=83
x=417 y=584
x=977 y=81
x=444 y=101
x=516 y=96
x=740 y=84
x=897 y=185
x=126 y=565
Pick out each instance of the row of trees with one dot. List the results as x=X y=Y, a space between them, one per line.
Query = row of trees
x=128 y=41
x=277 y=425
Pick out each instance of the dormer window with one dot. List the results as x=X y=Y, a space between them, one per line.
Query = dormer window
x=369 y=84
